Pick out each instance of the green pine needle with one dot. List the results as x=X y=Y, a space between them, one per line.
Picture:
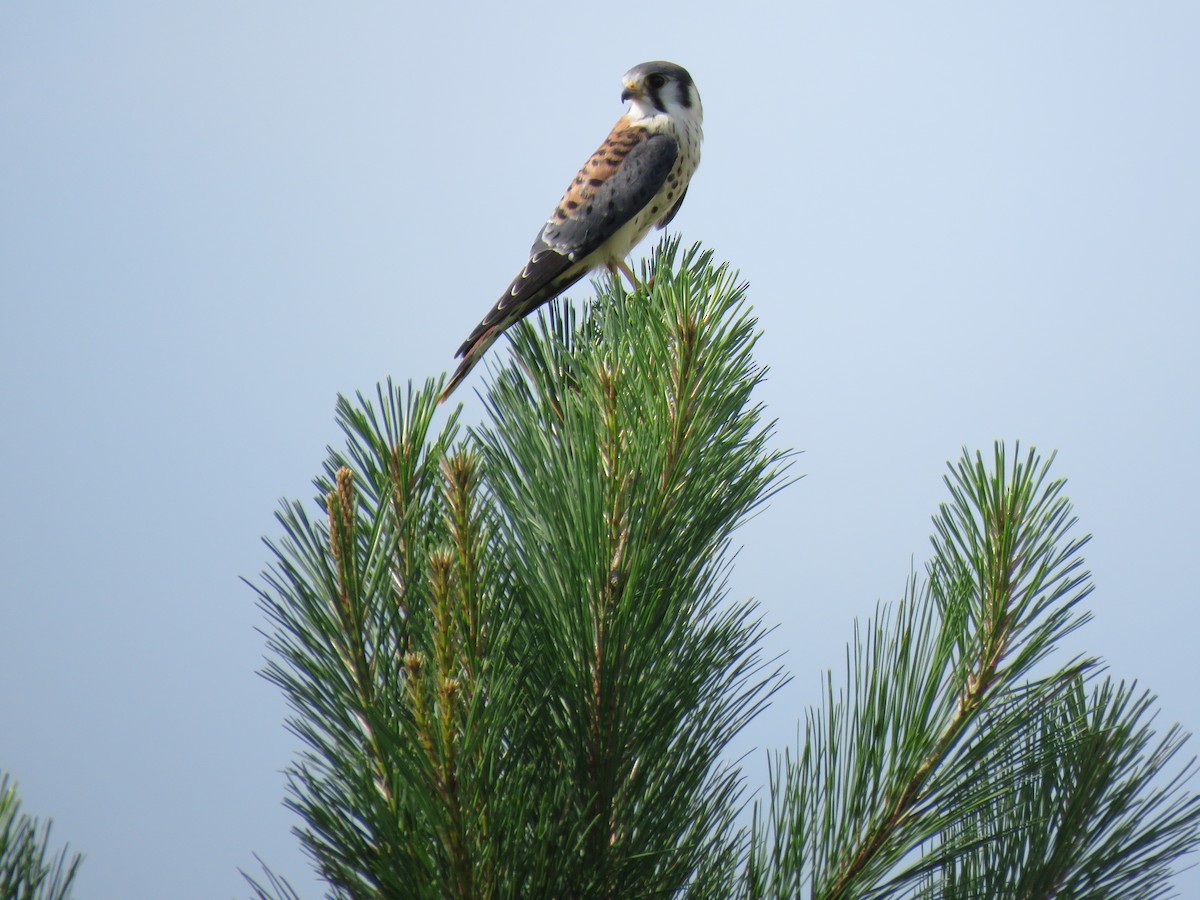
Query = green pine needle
x=28 y=869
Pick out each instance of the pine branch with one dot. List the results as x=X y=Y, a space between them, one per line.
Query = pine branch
x=1095 y=818
x=509 y=656
x=588 y=467
x=352 y=602
x=930 y=760
x=28 y=869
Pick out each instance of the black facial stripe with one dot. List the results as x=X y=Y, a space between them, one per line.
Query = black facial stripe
x=685 y=96
x=656 y=97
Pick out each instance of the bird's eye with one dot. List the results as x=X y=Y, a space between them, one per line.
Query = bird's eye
x=656 y=81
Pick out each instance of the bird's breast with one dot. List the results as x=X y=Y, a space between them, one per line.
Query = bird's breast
x=629 y=235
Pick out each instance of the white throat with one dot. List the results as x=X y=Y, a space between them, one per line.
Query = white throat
x=678 y=120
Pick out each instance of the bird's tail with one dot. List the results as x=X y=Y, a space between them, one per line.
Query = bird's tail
x=471 y=352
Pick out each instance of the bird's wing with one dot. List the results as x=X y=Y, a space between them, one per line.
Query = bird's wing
x=613 y=186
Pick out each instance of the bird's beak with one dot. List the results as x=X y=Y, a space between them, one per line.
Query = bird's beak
x=631 y=91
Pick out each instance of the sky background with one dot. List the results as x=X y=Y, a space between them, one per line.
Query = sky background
x=959 y=221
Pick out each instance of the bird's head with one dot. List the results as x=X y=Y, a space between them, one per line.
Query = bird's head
x=662 y=88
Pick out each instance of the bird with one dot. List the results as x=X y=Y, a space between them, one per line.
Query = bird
x=636 y=179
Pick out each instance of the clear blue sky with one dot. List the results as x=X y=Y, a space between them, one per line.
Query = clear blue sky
x=960 y=221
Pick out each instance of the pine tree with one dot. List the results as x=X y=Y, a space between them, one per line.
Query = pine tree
x=514 y=667
x=28 y=868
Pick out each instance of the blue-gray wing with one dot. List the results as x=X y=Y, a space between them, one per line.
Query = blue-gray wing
x=614 y=186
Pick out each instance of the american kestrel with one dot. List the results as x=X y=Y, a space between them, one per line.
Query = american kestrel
x=637 y=178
